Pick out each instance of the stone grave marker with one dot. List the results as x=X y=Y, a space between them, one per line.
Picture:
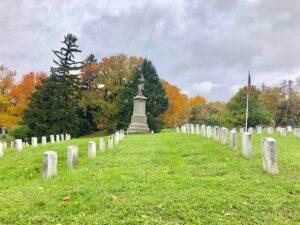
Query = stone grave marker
x=269 y=156
x=34 y=142
x=72 y=157
x=233 y=142
x=19 y=145
x=44 y=140
x=49 y=164
x=247 y=145
x=102 y=145
x=91 y=149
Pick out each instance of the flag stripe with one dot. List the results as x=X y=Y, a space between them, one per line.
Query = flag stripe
x=249 y=85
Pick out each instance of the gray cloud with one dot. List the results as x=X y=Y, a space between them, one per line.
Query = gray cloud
x=203 y=47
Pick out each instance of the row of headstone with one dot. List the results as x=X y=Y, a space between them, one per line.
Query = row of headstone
x=50 y=157
x=269 y=152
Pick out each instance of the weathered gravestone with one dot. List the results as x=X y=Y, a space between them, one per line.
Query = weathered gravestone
x=138 y=123
x=247 y=145
x=216 y=133
x=12 y=144
x=72 y=157
x=1 y=149
x=208 y=131
x=117 y=137
x=57 y=138
x=250 y=130
x=192 y=128
x=269 y=156
x=62 y=137
x=49 y=164
x=289 y=128
x=270 y=130
x=224 y=132
x=34 y=142
x=203 y=130
x=52 y=140
x=102 y=145
x=91 y=149
x=197 y=129
x=44 y=140
x=233 y=142
x=283 y=132
x=259 y=129
x=110 y=142
x=242 y=130
x=19 y=145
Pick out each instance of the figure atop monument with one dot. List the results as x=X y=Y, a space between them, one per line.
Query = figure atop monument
x=141 y=86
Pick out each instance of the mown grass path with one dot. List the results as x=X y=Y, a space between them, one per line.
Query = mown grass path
x=165 y=178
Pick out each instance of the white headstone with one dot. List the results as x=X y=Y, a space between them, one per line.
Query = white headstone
x=208 y=131
x=52 y=140
x=12 y=144
x=259 y=129
x=216 y=133
x=49 y=164
x=283 y=132
x=72 y=158
x=247 y=145
x=270 y=130
x=1 y=149
x=19 y=145
x=57 y=138
x=62 y=137
x=44 y=140
x=92 y=149
x=203 y=130
x=197 y=129
x=269 y=156
x=110 y=142
x=117 y=137
x=102 y=145
x=34 y=142
x=192 y=128
x=289 y=128
x=233 y=142
x=4 y=145
x=224 y=132
x=177 y=129
x=250 y=130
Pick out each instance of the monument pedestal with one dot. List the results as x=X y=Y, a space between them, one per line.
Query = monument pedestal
x=138 y=123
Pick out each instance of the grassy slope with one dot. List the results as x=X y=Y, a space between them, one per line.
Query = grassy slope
x=165 y=178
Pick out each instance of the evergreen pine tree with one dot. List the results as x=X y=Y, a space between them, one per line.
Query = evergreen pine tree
x=157 y=101
x=54 y=106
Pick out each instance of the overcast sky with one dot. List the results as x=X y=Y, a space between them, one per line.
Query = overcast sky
x=203 y=47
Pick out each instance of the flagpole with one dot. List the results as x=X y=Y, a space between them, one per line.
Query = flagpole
x=247 y=107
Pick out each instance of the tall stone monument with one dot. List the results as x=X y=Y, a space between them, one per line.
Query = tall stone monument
x=138 y=123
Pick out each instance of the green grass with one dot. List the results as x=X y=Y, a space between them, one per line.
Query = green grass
x=165 y=178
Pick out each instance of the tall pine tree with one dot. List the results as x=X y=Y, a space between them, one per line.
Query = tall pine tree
x=157 y=102
x=54 y=106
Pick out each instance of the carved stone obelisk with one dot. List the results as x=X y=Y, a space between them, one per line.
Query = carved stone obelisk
x=138 y=123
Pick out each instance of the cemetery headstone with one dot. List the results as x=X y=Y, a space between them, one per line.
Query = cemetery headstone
x=44 y=140
x=91 y=149
x=247 y=145
x=12 y=144
x=34 y=142
x=192 y=128
x=233 y=142
x=4 y=145
x=250 y=130
x=1 y=149
x=270 y=130
x=197 y=129
x=216 y=133
x=283 y=132
x=19 y=145
x=203 y=130
x=72 y=158
x=62 y=137
x=289 y=128
x=177 y=129
x=117 y=137
x=49 y=164
x=101 y=145
x=224 y=132
x=269 y=156
x=57 y=138
x=208 y=131
x=259 y=129
x=110 y=142
x=52 y=140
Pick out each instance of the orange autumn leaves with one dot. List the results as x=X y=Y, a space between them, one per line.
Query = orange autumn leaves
x=179 y=105
x=15 y=96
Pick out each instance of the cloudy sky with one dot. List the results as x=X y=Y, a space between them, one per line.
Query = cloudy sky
x=205 y=47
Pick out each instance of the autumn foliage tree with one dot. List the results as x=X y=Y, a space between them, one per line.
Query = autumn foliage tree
x=177 y=112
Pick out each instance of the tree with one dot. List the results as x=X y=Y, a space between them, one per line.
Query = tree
x=54 y=106
x=9 y=115
x=208 y=114
x=89 y=71
x=157 y=102
x=177 y=112
x=197 y=100
x=236 y=110
x=101 y=101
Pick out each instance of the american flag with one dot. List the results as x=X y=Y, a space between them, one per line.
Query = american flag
x=249 y=85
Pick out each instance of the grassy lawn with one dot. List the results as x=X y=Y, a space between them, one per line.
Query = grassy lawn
x=165 y=178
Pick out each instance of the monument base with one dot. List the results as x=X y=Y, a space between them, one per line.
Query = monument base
x=138 y=123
